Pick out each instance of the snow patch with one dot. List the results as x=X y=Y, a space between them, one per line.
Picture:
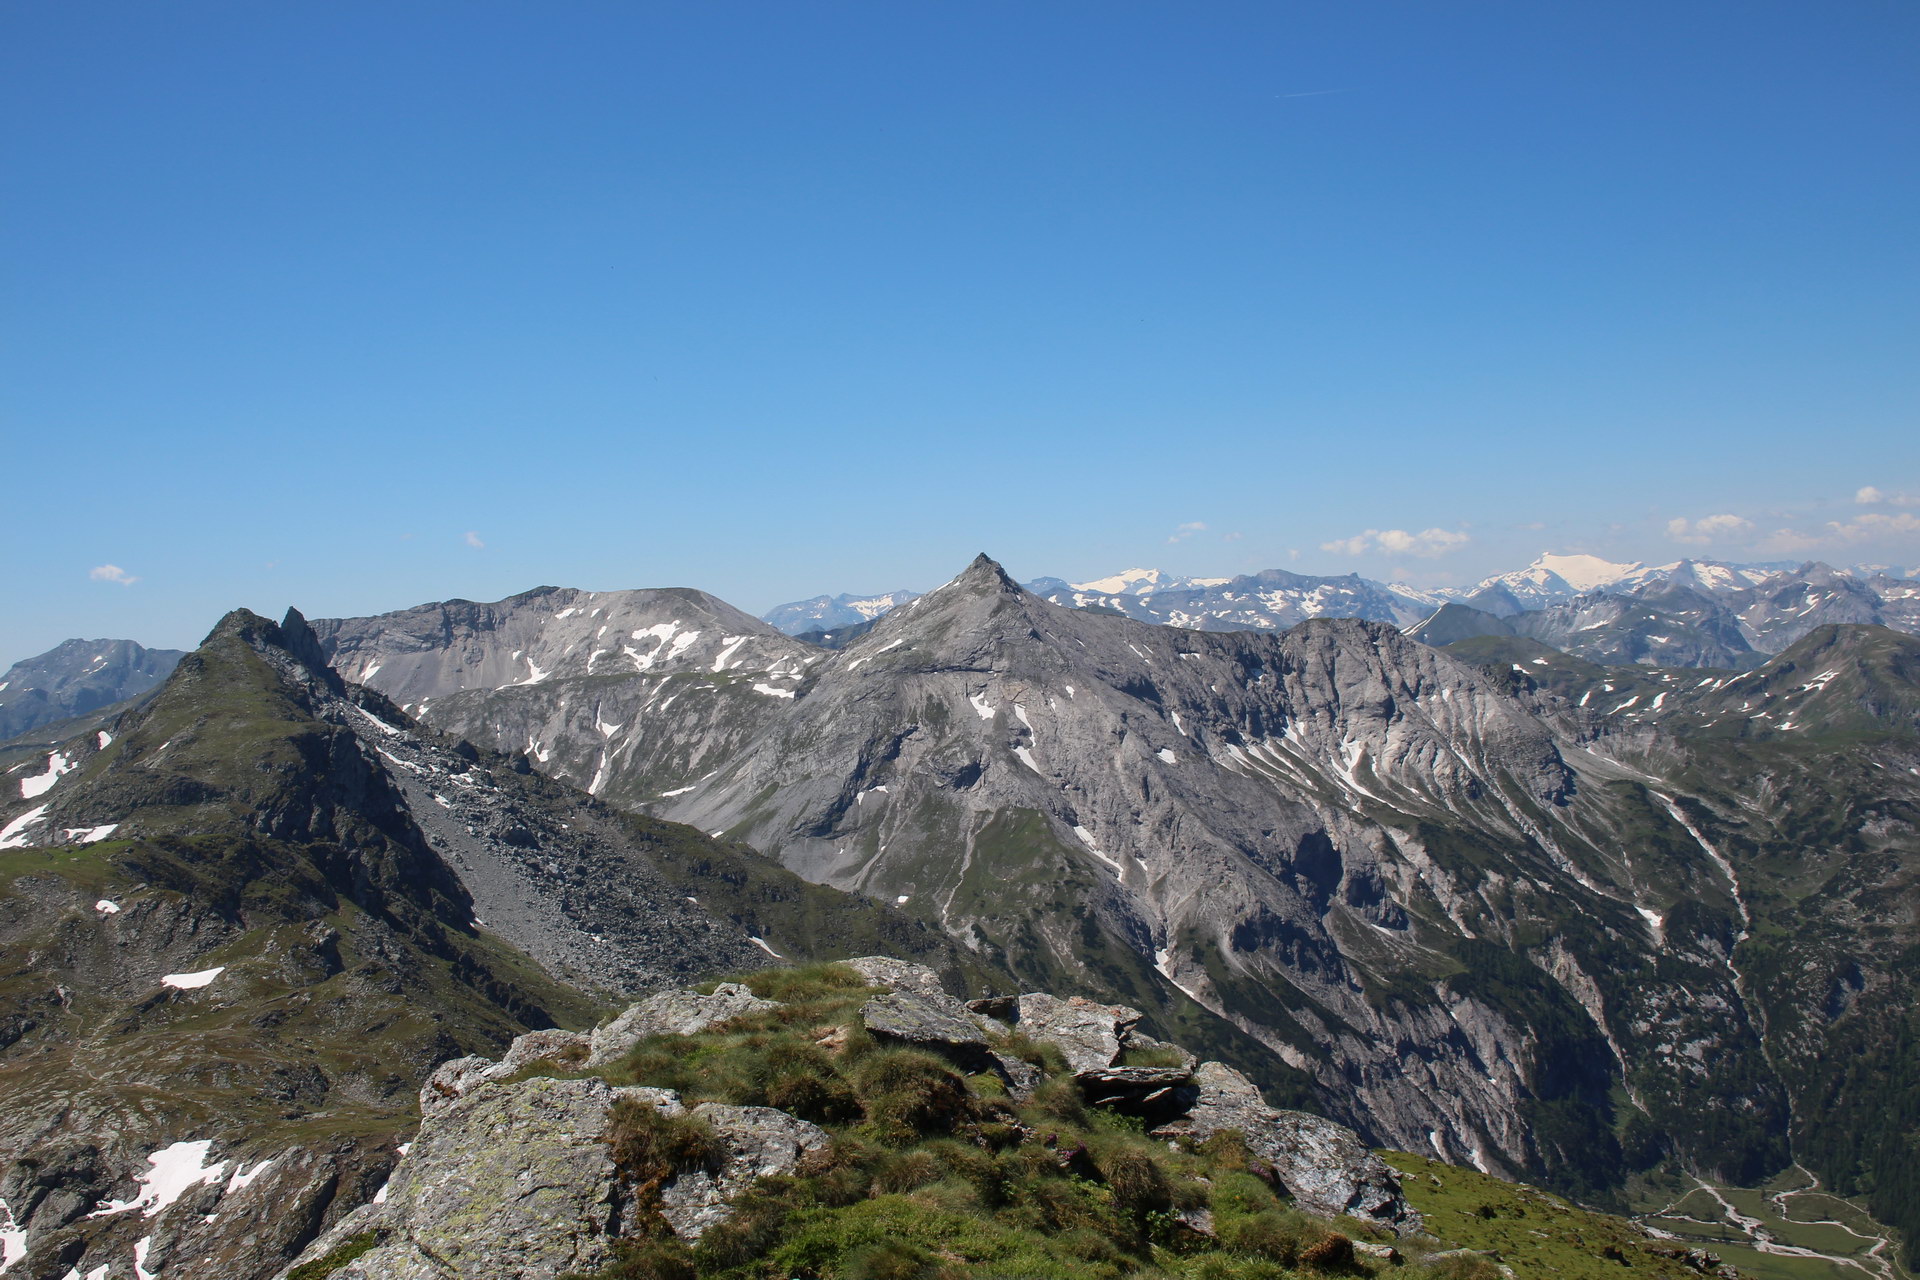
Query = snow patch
x=1166 y=755
x=87 y=835
x=677 y=791
x=891 y=644
x=1026 y=758
x=38 y=784
x=13 y=1238
x=762 y=944
x=769 y=690
x=12 y=836
x=981 y=706
x=107 y=907
x=1086 y=838
x=177 y=1169
x=242 y=1175
x=192 y=981
x=732 y=644
x=104 y=738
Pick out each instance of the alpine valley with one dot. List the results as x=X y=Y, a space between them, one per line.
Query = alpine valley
x=1598 y=878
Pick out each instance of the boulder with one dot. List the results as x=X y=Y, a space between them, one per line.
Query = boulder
x=760 y=1142
x=565 y=1048
x=1087 y=1033
x=901 y=975
x=672 y=1013
x=938 y=1023
x=1325 y=1166
x=504 y=1181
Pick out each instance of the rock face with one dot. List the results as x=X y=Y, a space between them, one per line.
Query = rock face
x=1323 y=1165
x=759 y=1141
x=671 y=1013
x=76 y=677
x=1086 y=1032
x=509 y=1181
x=515 y=1179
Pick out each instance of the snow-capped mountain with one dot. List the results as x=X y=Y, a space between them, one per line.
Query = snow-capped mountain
x=1771 y=604
x=829 y=613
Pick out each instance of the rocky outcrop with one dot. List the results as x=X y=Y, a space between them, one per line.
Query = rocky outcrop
x=671 y=1013
x=1088 y=1034
x=937 y=1022
x=901 y=975
x=759 y=1142
x=1323 y=1165
x=515 y=1179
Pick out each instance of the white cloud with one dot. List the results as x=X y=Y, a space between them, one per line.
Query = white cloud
x=1869 y=526
x=112 y=573
x=1708 y=528
x=1187 y=530
x=1872 y=496
x=1867 y=495
x=473 y=540
x=1427 y=543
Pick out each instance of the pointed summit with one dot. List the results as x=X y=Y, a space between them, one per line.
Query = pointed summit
x=985 y=572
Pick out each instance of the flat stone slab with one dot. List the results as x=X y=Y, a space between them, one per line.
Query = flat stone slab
x=672 y=1013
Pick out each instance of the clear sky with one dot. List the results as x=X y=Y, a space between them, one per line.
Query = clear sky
x=356 y=304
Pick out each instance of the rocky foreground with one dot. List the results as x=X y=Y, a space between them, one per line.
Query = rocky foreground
x=517 y=1171
x=920 y=1136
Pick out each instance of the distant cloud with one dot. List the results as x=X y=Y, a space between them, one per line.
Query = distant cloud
x=1187 y=530
x=112 y=573
x=1232 y=537
x=1708 y=528
x=473 y=540
x=1868 y=526
x=1427 y=543
x=1870 y=496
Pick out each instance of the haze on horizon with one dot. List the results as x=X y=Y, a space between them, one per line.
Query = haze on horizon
x=356 y=306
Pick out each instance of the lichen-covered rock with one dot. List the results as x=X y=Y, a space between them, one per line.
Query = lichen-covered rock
x=1324 y=1166
x=672 y=1013
x=901 y=975
x=568 y=1048
x=451 y=1081
x=1022 y=1077
x=760 y=1142
x=936 y=1022
x=1087 y=1033
x=504 y=1181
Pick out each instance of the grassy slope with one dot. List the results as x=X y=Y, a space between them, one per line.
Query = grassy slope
x=934 y=1175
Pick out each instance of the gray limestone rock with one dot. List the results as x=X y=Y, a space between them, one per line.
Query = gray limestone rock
x=885 y=971
x=568 y=1048
x=760 y=1142
x=936 y=1022
x=1324 y=1165
x=505 y=1181
x=1088 y=1033
x=672 y=1013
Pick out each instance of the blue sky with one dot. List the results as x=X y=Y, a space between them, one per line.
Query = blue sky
x=356 y=305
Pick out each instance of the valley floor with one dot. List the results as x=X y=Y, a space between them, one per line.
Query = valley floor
x=1788 y=1229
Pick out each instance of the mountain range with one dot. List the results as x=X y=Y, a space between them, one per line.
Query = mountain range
x=1603 y=923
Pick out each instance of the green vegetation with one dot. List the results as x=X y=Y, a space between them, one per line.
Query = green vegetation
x=349 y=1249
x=934 y=1174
